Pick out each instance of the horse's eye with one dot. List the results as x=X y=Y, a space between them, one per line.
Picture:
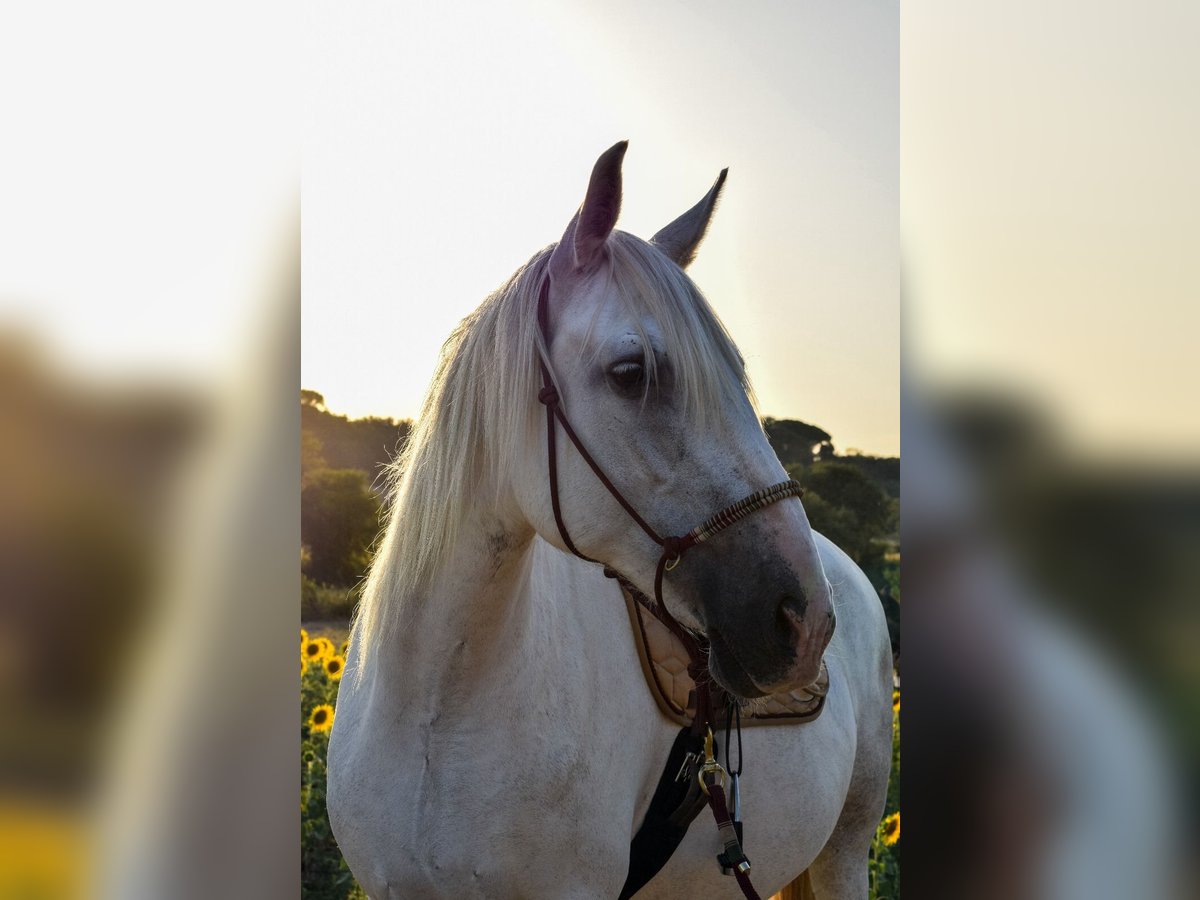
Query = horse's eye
x=627 y=375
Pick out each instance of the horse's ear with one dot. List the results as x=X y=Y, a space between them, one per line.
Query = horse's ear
x=579 y=251
x=680 y=239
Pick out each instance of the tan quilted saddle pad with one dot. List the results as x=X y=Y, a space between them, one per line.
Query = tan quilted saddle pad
x=665 y=665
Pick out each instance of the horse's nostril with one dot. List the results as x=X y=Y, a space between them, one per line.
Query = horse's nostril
x=783 y=621
x=790 y=612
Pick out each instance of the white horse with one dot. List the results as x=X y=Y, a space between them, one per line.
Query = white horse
x=495 y=736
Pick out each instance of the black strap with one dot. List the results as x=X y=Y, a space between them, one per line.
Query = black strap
x=676 y=803
x=548 y=396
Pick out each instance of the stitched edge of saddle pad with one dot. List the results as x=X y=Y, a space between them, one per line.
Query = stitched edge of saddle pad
x=664 y=665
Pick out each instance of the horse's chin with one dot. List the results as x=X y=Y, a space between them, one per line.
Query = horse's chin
x=728 y=672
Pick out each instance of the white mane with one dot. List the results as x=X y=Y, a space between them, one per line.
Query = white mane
x=481 y=413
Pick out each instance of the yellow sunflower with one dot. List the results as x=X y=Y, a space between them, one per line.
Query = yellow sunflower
x=891 y=828
x=334 y=666
x=321 y=718
x=896 y=701
x=316 y=650
x=303 y=636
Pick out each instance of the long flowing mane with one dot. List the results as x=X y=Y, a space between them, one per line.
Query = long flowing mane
x=481 y=412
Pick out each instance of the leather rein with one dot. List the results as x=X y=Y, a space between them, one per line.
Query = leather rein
x=712 y=776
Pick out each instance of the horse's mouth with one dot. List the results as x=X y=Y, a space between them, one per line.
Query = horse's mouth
x=728 y=671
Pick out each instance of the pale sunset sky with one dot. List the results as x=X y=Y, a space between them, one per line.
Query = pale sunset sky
x=1049 y=188
x=444 y=144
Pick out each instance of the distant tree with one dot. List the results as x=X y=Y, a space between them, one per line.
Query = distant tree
x=368 y=444
x=850 y=509
x=883 y=470
x=339 y=518
x=312 y=398
x=848 y=486
x=797 y=443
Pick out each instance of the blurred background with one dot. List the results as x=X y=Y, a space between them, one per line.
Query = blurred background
x=1051 y=470
x=150 y=496
x=149 y=326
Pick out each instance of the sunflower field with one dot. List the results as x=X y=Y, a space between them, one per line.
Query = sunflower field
x=885 y=858
x=323 y=873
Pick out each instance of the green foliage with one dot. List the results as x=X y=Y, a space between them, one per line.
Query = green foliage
x=339 y=518
x=850 y=509
x=312 y=458
x=324 y=875
x=846 y=486
x=883 y=470
x=884 y=862
x=320 y=602
x=340 y=461
x=366 y=444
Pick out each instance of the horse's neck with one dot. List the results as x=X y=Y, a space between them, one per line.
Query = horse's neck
x=507 y=712
x=504 y=625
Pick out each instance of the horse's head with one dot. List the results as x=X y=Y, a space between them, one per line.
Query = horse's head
x=656 y=391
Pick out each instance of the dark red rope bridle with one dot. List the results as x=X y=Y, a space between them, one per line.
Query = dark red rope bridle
x=673 y=549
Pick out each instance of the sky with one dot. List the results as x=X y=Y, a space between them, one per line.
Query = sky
x=445 y=143
x=1050 y=196
x=1048 y=183
x=149 y=180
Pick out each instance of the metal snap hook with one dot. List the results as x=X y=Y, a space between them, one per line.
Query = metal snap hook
x=711 y=766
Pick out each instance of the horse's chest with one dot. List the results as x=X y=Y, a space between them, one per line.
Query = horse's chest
x=495 y=811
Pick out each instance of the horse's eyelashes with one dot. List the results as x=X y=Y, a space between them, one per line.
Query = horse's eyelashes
x=627 y=375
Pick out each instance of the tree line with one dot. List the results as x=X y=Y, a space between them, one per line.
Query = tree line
x=851 y=499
